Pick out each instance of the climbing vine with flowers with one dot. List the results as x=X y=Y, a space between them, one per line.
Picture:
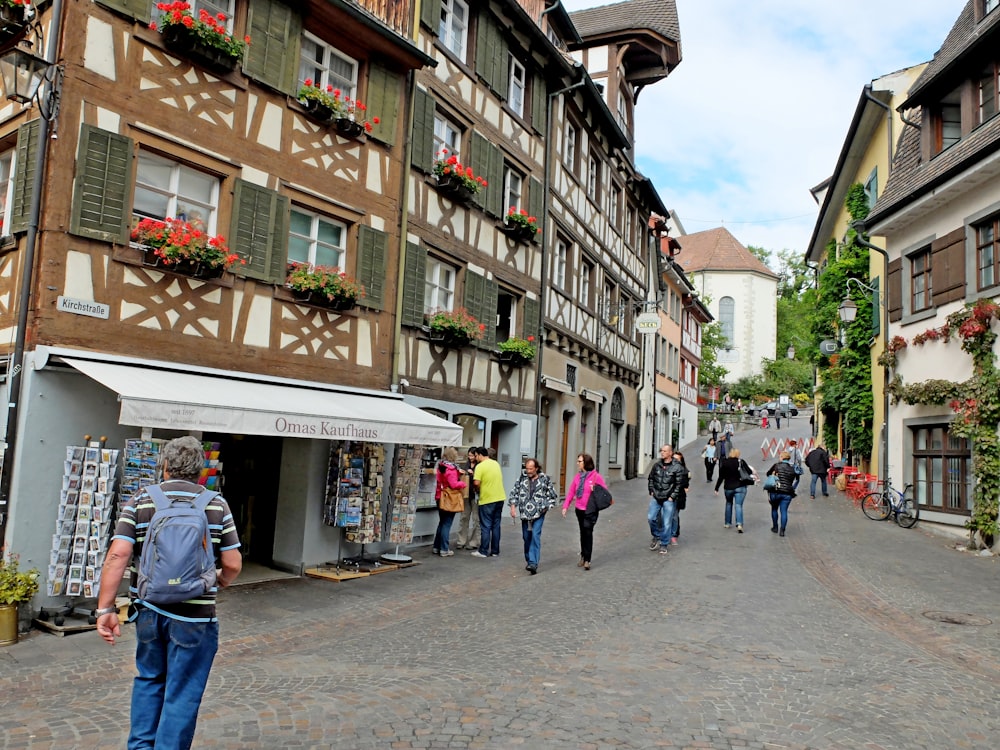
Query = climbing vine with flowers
x=976 y=402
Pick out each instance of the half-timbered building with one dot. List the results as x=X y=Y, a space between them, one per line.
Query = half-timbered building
x=155 y=125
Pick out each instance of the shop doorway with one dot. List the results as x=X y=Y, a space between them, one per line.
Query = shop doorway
x=251 y=465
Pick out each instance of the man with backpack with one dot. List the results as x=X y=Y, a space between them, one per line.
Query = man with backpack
x=176 y=533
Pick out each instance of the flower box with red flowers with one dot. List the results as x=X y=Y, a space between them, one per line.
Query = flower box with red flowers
x=517 y=351
x=330 y=106
x=205 y=39
x=456 y=328
x=323 y=286
x=184 y=247
x=455 y=179
x=14 y=17
x=520 y=225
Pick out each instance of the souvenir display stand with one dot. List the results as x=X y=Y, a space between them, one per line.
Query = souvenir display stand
x=408 y=471
x=85 y=521
x=354 y=490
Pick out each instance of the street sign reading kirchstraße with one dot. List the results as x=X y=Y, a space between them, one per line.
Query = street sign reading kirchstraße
x=83 y=307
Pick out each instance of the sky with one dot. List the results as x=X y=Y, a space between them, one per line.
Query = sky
x=757 y=111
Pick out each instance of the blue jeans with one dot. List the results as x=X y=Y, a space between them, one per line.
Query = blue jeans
x=812 y=484
x=661 y=519
x=779 y=503
x=445 y=517
x=736 y=496
x=531 y=531
x=173 y=659
x=490 y=517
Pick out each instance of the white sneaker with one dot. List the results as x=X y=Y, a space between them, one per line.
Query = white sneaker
x=448 y=553
x=477 y=553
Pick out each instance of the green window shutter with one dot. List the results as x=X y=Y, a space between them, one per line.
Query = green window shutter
x=275 y=32
x=430 y=14
x=259 y=232
x=531 y=321
x=536 y=202
x=372 y=245
x=422 y=156
x=384 y=92
x=487 y=161
x=414 y=274
x=137 y=9
x=101 y=189
x=539 y=104
x=481 y=302
x=24 y=175
x=492 y=55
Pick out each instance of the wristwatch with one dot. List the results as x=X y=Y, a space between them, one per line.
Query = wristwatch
x=105 y=611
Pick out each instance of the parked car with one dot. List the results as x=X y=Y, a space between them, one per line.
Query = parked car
x=771 y=407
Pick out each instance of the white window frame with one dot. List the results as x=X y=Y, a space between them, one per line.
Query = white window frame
x=513 y=188
x=517 y=87
x=559 y=260
x=586 y=279
x=447 y=134
x=453 y=29
x=614 y=205
x=593 y=177
x=321 y=74
x=7 y=161
x=570 y=136
x=177 y=204
x=439 y=285
x=313 y=238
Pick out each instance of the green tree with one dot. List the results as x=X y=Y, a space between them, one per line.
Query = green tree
x=764 y=256
x=712 y=341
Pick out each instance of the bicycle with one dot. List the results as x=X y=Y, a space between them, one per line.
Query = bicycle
x=878 y=505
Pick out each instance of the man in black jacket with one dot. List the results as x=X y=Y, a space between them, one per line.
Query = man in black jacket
x=666 y=482
x=818 y=462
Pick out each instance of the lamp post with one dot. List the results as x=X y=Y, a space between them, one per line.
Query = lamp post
x=848 y=312
x=27 y=78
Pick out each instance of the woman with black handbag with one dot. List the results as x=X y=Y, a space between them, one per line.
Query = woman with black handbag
x=734 y=477
x=682 y=500
x=578 y=495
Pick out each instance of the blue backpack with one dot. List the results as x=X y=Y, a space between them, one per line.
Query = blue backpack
x=178 y=560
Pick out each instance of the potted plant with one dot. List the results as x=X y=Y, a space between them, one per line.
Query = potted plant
x=454 y=327
x=520 y=225
x=516 y=350
x=16 y=586
x=455 y=178
x=12 y=18
x=326 y=286
x=204 y=39
x=184 y=247
x=329 y=105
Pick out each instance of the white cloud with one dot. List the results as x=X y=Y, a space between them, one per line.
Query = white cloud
x=758 y=109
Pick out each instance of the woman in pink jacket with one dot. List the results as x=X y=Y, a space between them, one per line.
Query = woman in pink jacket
x=578 y=495
x=447 y=476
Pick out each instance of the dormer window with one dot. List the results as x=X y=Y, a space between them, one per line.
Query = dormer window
x=948 y=122
x=988 y=87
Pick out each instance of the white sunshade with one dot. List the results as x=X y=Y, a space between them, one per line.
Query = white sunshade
x=171 y=399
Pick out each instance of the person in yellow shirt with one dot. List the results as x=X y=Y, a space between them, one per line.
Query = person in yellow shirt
x=488 y=480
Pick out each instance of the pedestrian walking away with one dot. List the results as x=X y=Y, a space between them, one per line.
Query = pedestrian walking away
x=532 y=497
x=733 y=487
x=177 y=635
x=818 y=462
x=708 y=453
x=782 y=494
x=665 y=484
x=468 y=524
x=578 y=495
x=682 y=498
x=489 y=486
x=448 y=496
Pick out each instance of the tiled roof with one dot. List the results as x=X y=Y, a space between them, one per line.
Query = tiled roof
x=659 y=16
x=717 y=250
x=964 y=35
x=911 y=177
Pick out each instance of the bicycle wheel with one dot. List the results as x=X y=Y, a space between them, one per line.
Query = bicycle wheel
x=875 y=506
x=907 y=513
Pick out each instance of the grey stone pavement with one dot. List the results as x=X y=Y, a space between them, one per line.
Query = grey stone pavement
x=823 y=639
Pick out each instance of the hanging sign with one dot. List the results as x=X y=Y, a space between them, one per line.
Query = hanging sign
x=647 y=322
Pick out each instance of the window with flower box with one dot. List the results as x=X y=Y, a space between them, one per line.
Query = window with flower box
x=224 y=7
x=513 y=186
x=325 y=65
x=439 y=285
x=447 y=136
x=506 y=314
x=167 y=188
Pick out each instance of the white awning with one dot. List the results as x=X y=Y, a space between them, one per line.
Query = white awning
x=179 y=400
x=555 y=384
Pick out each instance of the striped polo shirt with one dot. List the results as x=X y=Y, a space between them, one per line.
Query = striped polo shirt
x=134 y=521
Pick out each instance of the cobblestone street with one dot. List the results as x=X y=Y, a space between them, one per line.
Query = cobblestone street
x=821 y=639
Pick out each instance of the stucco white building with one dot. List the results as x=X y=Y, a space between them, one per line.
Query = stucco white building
x=739 y=291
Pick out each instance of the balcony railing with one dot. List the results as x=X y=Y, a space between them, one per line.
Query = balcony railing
x=394 y=13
